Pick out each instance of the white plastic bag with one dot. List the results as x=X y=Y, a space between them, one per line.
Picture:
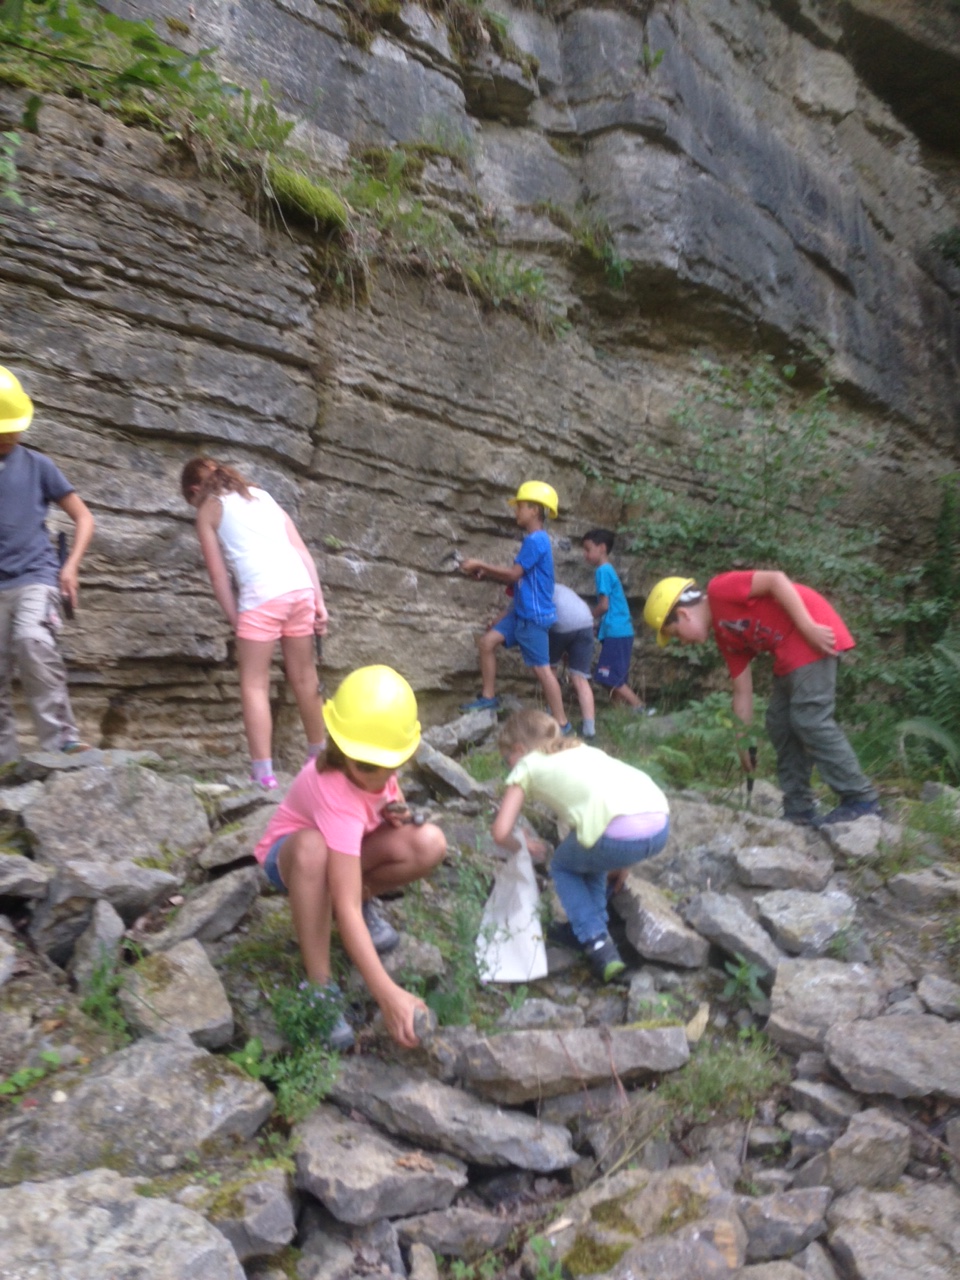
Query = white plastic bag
x=510 y=944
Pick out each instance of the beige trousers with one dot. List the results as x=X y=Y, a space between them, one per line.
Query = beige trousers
x=29 y=623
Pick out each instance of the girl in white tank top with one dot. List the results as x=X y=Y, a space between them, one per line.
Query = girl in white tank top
x=266 y=583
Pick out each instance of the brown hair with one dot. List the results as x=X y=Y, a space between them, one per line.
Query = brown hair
x=331 y=757
x=203 y=478
x=534 y=731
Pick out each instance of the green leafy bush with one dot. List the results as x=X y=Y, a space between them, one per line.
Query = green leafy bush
x=306 y=1014
x=770 y=467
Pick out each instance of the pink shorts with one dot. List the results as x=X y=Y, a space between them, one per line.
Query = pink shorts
x=290 y=615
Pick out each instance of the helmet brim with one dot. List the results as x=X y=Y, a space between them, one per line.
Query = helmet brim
x=367 y=754
x=551 y=511
x=12 y=425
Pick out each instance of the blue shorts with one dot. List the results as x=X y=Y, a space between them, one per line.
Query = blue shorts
x=271 y=870
x=578 y=648
x=613 y=664
x=532 y=640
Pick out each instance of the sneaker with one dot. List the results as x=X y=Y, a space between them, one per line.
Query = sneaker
x=566 y=730
x=480 y=703
x=803 y=818
x=74 y=748
x=382 y=933
x=268 y=782
x=604 y=958
x=341 y=1038
x=850 y=811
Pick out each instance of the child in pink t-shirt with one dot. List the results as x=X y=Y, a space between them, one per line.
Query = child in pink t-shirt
x=343 y=835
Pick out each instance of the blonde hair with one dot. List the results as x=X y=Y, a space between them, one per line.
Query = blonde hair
x=534 y=731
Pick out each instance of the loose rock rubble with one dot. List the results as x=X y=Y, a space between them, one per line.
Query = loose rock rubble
x=547 y=1136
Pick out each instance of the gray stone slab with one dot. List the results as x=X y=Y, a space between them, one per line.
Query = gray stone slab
x=911 y=1057
x=178 y=988
x=809 y=996
x=416 y=1107
x=872 y=1153
x=97 y=1224
x=778 y=1226
x=725 y=921
x=805 y=923
x=372 y=1177
x=144 y=1109
x=521 y=1066
x=889 y=1235
x=655 y=928
x=129 y=812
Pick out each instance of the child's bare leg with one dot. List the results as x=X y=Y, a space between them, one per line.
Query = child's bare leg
x=299 y=659
x=551 y=691
x=487 y=647
x=626 y=694
x=302 y=864
x=584 y=692
x=394 y=856
x=253 y=660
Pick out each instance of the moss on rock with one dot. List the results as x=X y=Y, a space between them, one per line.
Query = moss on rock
x=299 y=196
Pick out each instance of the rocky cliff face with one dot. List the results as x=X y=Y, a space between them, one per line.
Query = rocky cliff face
x=774 y=183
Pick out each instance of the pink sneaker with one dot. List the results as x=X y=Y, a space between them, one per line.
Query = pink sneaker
x=269 y=782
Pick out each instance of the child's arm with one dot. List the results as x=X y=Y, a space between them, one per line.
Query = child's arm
x=479 y=569
x=510 y=808
x=208 y=517
x=502 y=830
x=345 y=878
x=601 y=607
x=771 y=582
x=300 y=547
x=743 y=710
x=79 y=513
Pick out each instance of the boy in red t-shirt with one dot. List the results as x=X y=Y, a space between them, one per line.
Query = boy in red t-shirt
x=762 y=611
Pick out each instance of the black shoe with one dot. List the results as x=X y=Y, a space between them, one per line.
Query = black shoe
x=803 y=818
x=560 y=934
x=604 y=958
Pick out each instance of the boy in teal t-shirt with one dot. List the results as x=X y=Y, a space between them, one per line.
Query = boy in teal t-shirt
x=616 y=625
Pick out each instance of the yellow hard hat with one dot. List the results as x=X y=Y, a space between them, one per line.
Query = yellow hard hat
x=16 y=407
x=537 y=491
x=660 y=604
x=373 y=717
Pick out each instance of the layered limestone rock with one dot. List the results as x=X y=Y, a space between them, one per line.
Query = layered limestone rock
x=762 y=183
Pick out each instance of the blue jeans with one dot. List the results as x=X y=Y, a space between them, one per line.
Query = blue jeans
x=580 y=876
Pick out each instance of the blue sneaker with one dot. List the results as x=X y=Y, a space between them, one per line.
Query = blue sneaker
x=480 y=703
x=566 y=730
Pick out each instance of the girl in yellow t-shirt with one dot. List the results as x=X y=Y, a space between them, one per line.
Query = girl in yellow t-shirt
x=618 y=815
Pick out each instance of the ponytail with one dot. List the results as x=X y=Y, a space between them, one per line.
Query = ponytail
x=202 y=478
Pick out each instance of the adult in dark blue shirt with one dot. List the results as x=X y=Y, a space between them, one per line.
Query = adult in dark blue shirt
x=32 y=582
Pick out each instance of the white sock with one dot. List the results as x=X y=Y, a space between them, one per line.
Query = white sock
x=314 y=749
x=260 y=769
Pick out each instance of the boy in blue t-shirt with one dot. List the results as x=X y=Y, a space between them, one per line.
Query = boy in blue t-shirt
x=528 y=623
x=616 y=625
